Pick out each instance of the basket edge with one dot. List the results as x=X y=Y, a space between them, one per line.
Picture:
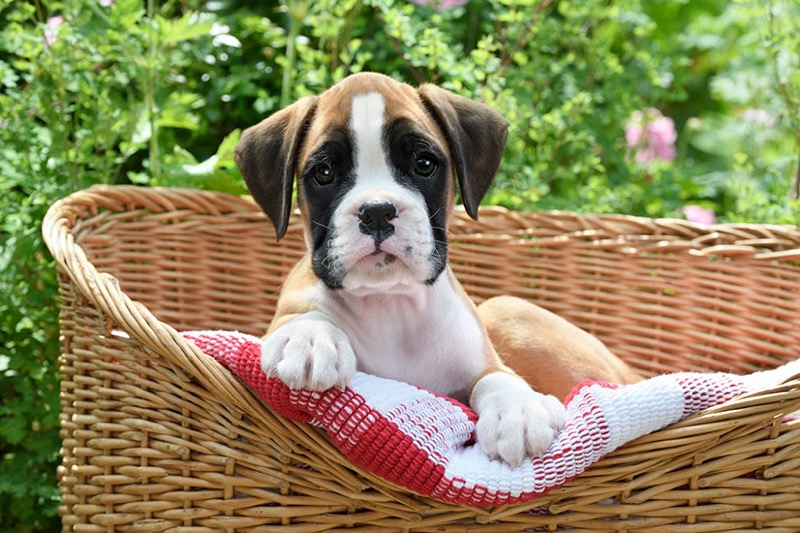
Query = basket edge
x=134 y=318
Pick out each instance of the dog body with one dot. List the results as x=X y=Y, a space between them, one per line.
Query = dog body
x=376 y=163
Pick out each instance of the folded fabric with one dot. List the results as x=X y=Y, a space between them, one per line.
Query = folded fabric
x=424 y=441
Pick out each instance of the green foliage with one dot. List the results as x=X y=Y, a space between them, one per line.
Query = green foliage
x=157 y=93
x=28 y=378
x=79 y=104
x=740 y=131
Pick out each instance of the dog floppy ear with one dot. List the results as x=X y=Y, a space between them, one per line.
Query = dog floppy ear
x=476 y=135
x=267 y=156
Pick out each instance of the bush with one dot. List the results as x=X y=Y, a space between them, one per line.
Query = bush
x=79 y=97
x=740 y=118
x=626 y=106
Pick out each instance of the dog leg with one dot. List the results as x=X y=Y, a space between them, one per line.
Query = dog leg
x=550 y=353
x=309 y=351
x=514 y=421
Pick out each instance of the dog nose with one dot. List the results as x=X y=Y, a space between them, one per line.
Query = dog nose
x=375 y=220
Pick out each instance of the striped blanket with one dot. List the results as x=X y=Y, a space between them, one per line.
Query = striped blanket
x=424 y=441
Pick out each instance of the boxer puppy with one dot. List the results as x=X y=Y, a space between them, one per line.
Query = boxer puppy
x=376 y=162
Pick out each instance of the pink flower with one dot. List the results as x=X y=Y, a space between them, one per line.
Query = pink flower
x=51 y=30
x=700 y=215
x=441 y=5
x=651 y=135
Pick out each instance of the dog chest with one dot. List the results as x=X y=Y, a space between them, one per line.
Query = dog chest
x=429 y=338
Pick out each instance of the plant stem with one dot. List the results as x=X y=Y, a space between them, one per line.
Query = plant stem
x=794 y=189
x=418 y=76
x=784 y=90
x=296 y=12
x=149 y=91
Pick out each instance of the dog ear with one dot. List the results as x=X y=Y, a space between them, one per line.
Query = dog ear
x=476 y=135
x=267 y=156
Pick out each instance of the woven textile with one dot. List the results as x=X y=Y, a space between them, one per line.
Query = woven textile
x=424 y=442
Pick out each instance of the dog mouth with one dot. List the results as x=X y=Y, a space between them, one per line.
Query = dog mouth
x=380 y=258
x=384 y=260
x=380 y=251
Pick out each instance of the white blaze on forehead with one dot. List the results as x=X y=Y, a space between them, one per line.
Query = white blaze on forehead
x=366 y=120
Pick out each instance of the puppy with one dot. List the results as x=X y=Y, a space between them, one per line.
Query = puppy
x=376 y=162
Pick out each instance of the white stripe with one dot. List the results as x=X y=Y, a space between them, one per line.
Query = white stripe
x=366 y=121
x=640 y=409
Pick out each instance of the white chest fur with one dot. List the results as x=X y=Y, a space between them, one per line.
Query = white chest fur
x=427 y=337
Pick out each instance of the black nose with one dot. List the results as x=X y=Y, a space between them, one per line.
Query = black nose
x=375 y=220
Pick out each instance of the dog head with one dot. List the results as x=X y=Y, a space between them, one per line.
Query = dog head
x=376 y=163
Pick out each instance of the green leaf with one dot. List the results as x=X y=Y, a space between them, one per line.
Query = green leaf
x=178 y=117
x=226 y=151
x=189 y=26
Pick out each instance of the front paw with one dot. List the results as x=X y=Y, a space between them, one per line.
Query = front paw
x=309 y=352
x=514 y=421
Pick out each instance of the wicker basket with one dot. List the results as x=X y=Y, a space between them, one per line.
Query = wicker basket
x=159 y=437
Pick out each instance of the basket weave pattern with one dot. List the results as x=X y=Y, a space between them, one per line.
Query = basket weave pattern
x=159 y=437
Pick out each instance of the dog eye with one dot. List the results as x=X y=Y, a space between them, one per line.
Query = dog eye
x=323 y=174
x=425 y=165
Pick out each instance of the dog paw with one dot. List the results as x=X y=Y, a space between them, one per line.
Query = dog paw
x=514 y=421
x=309 y=352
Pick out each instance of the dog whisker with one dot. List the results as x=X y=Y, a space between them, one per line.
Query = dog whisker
x=320 y=224
x=436 y=255
x=445 y=230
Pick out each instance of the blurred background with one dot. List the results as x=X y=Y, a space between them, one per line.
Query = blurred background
x=662 y=108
